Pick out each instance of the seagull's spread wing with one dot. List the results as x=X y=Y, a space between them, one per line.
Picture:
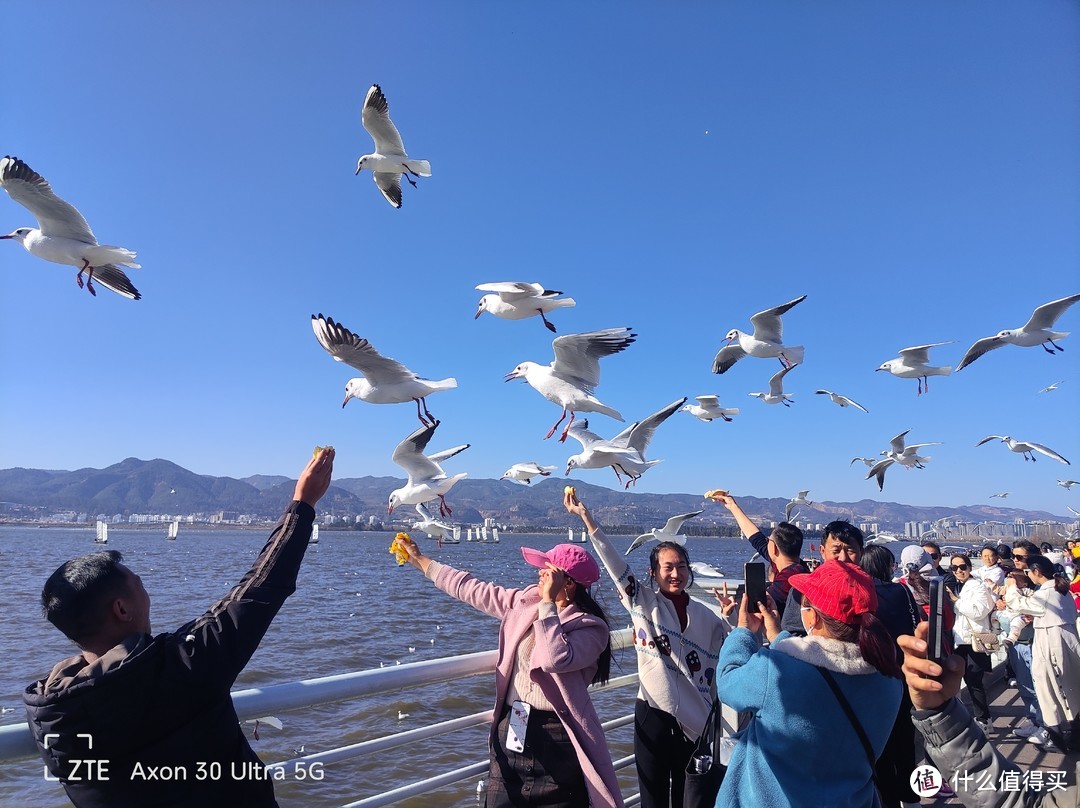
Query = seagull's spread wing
x=726 y=357
x=855 y=404
x=913 y=449
x=637 y=436
x=390 y=185
x=978 y=349
x=1046 y=315
x=376 y=119
x=776 y=383
x=919 y=354
x=55 y=217
x=709 y=402
x=989 y=438
x=577 y=356
x=446 y=454
x=409 y=454
x=672 y=525
x=1046 y=450
x=878 y=471
x=897 y=443
x=767 y=324
x=579 y=431
x=115 y=279
x=516 y=290
x=356 y=352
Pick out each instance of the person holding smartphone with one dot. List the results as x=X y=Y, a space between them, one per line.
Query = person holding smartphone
x=678 y=641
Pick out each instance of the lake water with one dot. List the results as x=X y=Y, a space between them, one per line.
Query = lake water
x=354 y=608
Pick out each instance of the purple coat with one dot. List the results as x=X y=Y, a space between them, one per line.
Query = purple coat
x=568 y=645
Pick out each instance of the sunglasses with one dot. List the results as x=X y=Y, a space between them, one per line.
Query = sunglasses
x=1019 y=557
x=934 y=556
x=960 y=567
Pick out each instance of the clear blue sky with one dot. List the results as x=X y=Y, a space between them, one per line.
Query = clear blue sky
x=910 y=166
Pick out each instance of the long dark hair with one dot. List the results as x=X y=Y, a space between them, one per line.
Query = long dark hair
x=1046 y=568
x=878 y=561
x=875 y=643
x=584 y=601
x=654 y=560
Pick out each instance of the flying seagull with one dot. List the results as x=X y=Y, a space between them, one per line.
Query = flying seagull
x=843 y=401
x=669 y=532
x=385 y=381
x=524 y=472
x=1036 y=331
x=62 y=235
x=516 y=300
x=800 y=499
x=625 y=452
x=1026 y=448
x=708 y=409
x=1067 y=484
x=427 y=480
x=907 y=456
x=1002 y=495
x=765 y=342
x=570 y=379
x=430 y=525
x=389 y=161
x=776 y=394
x=913 y=363
x=1052 y=387
x=868 y=461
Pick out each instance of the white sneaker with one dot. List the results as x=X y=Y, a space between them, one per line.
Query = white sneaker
x=1027 y=731
x=1040 y=736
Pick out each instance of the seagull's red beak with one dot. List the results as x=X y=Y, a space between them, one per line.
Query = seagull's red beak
x=476 y=316
x=510 y=376
x=346 y=401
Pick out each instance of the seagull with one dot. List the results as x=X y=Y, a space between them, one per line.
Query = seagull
x=1026 y=448
x=1036 y=331
x=1052 y=387
x=625 y=452
x=843 y=401
x=708 y=409
x=431 y=526
x=1067 y=484
x=907 y=456
x=389 y=160
x=386 y=381
x=570 y=379
x=524 y=472
x=400 y=715
x=1073 y=510
x=912 y=364
x=765 y=342
x=800 y=499
x=516 y=300
x=878 y=471
x=669 y=532
x=62 y=235
x=776 y=394
x=427 y=480
x=1002 y=495
x=868 y=461
x=412 y=649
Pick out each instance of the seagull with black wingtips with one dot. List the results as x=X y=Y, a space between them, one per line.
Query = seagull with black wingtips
x=389 y=162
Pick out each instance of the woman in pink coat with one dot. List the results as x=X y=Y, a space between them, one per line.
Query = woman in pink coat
x=547 y=745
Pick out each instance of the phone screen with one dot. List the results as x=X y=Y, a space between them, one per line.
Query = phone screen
x=754 y=575
x=939 y=635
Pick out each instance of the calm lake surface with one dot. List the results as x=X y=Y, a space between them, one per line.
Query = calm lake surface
x=354 y=608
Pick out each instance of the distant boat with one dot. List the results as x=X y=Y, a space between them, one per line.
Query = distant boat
x=570 y=535
x=314 y=534
x=584 y=536
x=102 y=533
x=174 y=528
x=495 y=535
x=453 y=538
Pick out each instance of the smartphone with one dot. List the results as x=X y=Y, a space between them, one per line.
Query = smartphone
x=754 y=575
x=939 y=636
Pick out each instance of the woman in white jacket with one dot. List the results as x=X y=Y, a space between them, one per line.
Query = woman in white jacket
x=1055 y=652
x=973 y=607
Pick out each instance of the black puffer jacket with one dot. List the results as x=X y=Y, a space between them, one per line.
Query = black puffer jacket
x=155 y=706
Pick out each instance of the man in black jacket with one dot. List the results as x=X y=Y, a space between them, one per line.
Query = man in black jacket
x=137 y=719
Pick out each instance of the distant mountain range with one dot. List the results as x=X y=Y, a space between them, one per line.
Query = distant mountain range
x=162 y=487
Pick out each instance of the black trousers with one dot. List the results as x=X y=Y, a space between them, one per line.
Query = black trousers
x=662 y=752
x=976 y=666
x=547 y=773
x=897 y=760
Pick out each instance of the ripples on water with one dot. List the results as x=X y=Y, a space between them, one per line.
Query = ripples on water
x=353 y=609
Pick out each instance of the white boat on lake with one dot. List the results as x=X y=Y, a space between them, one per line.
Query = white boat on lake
x=102 y=536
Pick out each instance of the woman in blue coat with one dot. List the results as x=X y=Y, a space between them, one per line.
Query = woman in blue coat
x=800 y=748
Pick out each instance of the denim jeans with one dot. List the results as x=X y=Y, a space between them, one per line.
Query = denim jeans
x=1020 y=659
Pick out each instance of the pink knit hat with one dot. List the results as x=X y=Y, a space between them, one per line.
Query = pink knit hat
x=570 y=558
x=842 y=591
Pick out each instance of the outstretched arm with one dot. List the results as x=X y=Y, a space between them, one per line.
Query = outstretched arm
x=612 y=559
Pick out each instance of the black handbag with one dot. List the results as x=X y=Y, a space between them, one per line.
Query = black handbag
x=704 y=771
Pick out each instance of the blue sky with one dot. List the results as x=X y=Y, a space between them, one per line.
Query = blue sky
x=911 y=167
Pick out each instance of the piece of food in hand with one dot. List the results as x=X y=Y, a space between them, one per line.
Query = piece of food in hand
x=320 y=449
x=570 y=490
x=397 y=547
x=716 y=493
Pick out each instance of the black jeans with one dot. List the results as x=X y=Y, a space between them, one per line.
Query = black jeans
x=976 y=666
x=662 y=752
x=547 y=773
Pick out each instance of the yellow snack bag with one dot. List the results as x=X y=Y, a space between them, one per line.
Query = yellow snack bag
x=400 y=555
x=570 y=490
x=319 y=449
x=716 y=493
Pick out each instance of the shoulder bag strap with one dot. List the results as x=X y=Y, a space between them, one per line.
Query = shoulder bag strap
x=852 y=718
x=706 y=742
